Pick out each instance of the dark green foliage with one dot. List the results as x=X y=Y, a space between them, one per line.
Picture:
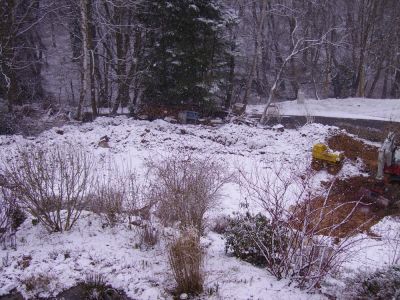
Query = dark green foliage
x=185 y=52
x=7 y=123
x=17 y=217
x=382 y=284
x=253 y=239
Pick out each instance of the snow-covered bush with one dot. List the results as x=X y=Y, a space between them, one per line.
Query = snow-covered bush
x=186 y=188
x=52 y=184
x=253 y=239
x=186 y=259
x=381 y=284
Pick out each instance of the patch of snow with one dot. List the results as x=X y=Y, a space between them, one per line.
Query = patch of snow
x=353 y=108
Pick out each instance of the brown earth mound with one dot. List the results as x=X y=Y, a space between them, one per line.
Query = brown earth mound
x=354 y=149
x=349 y=209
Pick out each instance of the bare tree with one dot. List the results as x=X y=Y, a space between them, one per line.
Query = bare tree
x=299 y=43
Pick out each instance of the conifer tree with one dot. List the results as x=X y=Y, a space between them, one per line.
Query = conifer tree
x=185 y=52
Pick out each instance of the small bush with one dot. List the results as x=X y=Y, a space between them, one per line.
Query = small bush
x=118 y=197
x=52 y=184
x=108 y=203
x=220 y=224
x=253 y=239
x=5 y=218
x=382 y=284
x=37 y=284
x=186 y=189
x=11 y=217
x=95 y=287
x=149 y=236
x=186 y=258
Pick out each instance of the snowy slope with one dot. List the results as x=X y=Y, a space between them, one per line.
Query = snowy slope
x=143 y=274
x=353 y=108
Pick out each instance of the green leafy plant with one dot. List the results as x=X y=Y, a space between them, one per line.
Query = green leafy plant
x=253 y=239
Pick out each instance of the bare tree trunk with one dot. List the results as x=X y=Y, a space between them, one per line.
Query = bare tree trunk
x=84 y=70
x=90 y=26
x=385 y=80
x=272 y=91
x=256 y=51
x=376 y=78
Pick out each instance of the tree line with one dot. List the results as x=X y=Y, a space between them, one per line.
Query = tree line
x=200 y=54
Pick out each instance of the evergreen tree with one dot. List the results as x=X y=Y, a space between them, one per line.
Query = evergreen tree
x=185 y=52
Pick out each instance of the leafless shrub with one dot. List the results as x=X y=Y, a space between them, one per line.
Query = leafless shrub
x=37 y=284
x=5 y=218
x=118 y=196
x=186 y=258
x=108 y=201
x=220 y=224
x=149 y=235
x=11 y=217
x=392 y=241
x=310 y=247
x=51 y=183
x=186 y=188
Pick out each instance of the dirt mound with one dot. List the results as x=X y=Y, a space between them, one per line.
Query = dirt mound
x=349 y=210
x=354 y=149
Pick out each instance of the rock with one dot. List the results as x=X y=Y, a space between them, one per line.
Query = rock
x=143 y=117
x=103 y=143
x=171 y=120
x=183 y=296
x=59 y=131
x=279 y=128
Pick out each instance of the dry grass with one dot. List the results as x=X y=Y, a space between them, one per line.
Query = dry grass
x=186 y=258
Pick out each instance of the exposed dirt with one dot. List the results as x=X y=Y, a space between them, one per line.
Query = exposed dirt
x=355 y=149
x=348 y=209
x=360 y=201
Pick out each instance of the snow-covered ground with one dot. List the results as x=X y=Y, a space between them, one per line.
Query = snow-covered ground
x=113 y=252
x=353 y=108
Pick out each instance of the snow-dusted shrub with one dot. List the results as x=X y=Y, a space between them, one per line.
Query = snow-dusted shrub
x=186 y=258
x=37 y=284
x=108 y=203
x=5 y=218
x=186 y=188
x=381 y=284
x=149 y=235
x=11 y=217
x=302 y=245
x=118 y=196
x=253 y=239
x=52 y=184
x=95 y=287
x=219 y=225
